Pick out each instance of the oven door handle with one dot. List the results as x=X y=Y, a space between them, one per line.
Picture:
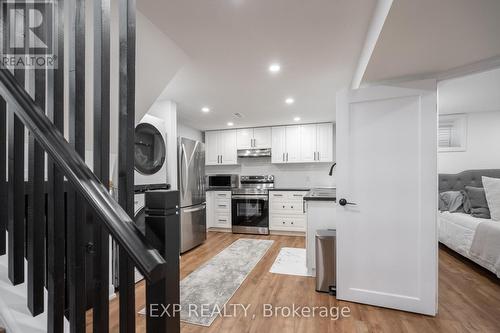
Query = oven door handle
x=246 y=197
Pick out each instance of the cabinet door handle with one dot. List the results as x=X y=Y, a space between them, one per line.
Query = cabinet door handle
x=318 y=156
x=283 y=222
x=287 y=157
x=283 y=157
x=292 y=222
x=283 y=206
x=292 y=207
x=278 y=195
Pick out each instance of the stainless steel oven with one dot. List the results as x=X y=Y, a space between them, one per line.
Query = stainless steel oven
x=250 y=205
x=250 y=214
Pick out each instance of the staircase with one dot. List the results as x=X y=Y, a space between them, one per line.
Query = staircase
x=55 y=233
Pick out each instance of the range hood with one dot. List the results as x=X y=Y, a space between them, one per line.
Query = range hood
x=254 y=152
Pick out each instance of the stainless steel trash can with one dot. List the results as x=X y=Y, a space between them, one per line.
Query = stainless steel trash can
x=326 y=262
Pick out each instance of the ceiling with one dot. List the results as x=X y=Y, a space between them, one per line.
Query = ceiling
x=433 y=36
x=231 y=43
x=472 y=93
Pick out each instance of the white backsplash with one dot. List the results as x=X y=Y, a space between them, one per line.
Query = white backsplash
x=306 y=175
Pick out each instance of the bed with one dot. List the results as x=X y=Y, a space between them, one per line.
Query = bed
x=475 y=238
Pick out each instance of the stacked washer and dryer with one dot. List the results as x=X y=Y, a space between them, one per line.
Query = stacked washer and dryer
x=150 y=159
x=150 y=155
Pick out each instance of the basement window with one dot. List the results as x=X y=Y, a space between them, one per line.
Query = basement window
x=452 y=134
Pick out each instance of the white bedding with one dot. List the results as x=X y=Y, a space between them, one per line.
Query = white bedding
x=457 y=231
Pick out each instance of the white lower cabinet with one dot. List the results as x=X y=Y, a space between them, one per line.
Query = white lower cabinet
x=219 y=209
x=286 y=212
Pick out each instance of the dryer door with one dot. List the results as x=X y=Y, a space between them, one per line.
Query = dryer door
x=149 y=151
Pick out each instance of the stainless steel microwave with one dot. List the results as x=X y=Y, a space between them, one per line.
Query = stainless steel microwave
x=226 y=181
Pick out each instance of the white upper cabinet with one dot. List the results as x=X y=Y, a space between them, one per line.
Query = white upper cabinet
x=244 y=138
x=324 y=142
x=220 y=147
x=262 y=137
x=212 y=156
x=249 y=138
x=292 y=144
x=278 y=143
x=310 y=143
x=229 y=154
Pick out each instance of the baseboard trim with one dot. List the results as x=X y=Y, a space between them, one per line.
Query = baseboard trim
x=219 y=229
x=287 y=233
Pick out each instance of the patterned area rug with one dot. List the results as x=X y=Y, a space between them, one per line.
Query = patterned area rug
x=206 y=290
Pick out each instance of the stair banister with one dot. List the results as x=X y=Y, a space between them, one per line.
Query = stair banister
x=147 y=259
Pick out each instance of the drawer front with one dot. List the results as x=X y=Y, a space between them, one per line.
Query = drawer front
x=296 y=196
x=284 y=223
x=287 y=208
x=223 y=195
x=223 y=205
x=222 y=221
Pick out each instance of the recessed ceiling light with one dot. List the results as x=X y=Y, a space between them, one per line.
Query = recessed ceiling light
x=296 y=119
x=274 y=68
x=230 y=123
x=205 y=109
x=289 y=101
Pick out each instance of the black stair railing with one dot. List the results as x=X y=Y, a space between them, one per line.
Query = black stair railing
x=48 y=219
x=120 y=225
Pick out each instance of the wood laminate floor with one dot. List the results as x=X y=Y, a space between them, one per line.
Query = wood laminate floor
x=469 y=298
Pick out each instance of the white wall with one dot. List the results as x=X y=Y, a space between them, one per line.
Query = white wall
x=306 y=175
x=186 y=131
x=483 y=145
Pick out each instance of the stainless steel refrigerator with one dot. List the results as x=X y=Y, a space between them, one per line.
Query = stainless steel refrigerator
x=191 y=185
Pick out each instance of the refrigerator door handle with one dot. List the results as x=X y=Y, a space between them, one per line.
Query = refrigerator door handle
x=185 y=182
x=191 y=210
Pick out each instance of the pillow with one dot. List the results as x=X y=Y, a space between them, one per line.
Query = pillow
x=492 y=192
x=451 y=201
x=477 y=201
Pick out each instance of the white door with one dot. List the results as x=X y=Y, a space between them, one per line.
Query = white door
x=307 y=143
x=244 y=138
x=292 y=144
x=227 y=144
x=262 y=137
x=278 y=144
x=212 y=148
x=387 y=241
x=324 y=142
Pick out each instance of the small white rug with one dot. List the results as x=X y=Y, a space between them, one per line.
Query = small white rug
x=290 y=261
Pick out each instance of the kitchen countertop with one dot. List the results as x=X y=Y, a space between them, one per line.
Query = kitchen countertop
x=219 y=189
x=321 y=194
x=295 y=189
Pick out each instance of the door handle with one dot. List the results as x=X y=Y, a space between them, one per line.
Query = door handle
x=344 y=202
x=318 y=155
x=287 y=157
x=283 y=157
x=190 y=210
